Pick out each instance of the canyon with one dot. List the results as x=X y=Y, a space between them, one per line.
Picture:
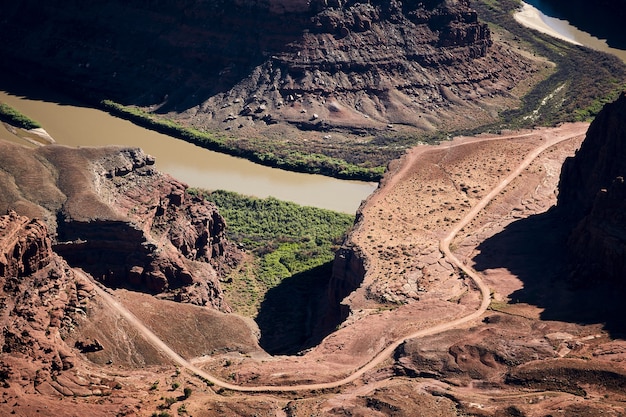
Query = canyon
x=111 y=300
x=351 y=81
x=519 y=350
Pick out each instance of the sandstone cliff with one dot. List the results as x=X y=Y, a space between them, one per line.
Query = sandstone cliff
x=40 y=300
x=592 y=195
x=113 y=215
x=270 y=69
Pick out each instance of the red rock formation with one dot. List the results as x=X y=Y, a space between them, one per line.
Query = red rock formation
x=125 y=223
x=26 y=247
x=40 y=300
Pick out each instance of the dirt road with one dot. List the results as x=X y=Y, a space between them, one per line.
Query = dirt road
x=444 y=246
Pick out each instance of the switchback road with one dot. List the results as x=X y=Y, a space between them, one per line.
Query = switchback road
x=444 y=246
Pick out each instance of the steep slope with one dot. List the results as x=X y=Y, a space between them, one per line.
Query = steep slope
x=592 y=194
x=41 y=299
x=113 y=215
x=339 y=77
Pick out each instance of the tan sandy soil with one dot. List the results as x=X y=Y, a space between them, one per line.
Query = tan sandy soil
x=409 y=286
x=530 y=17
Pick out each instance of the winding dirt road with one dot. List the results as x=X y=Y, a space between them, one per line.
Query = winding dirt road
x=444 y=246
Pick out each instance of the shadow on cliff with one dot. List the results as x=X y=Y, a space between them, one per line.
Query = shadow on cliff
x=19 y=86
x=173 y=55
x=534 y=249
x=296 y=315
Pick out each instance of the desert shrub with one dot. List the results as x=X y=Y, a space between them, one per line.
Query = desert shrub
x=15 y=118
x=284 y=239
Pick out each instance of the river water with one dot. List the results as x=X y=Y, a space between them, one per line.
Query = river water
x=565 y=30
x=73 y=125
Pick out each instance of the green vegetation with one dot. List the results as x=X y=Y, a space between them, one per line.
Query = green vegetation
x=581 y=82
x=264 y=152
x=168 y=401
x=577 y=88
x=284 y=239
x=15 y=118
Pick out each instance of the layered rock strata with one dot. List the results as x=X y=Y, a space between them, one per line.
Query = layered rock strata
x=252 y=64
x=116 y=217
x=592 y=195
x=40 y=300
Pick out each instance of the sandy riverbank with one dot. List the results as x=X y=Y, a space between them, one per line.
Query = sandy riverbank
x=532 y=18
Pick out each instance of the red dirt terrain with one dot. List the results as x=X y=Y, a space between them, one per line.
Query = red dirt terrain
x=417 y=340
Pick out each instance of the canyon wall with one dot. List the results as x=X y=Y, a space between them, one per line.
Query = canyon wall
x=112 y=214
x=40 y=300
x=253 y=64
x=592 y=196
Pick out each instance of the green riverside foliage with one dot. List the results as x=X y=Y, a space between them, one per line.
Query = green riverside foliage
x=265 y=153
x=13 y=117
x=575 y=90
x=285 y=238
x=582 y=82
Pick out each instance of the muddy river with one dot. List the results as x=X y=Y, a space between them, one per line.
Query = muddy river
x=71 y=124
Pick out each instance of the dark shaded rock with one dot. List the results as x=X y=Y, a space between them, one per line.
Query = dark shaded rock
x=592 y=196
x=88 y=346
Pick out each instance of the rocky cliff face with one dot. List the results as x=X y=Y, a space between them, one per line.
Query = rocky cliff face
x=250 y=65
x=592 y=195
x=113 y=215
x=26 y=247
x=40 y=299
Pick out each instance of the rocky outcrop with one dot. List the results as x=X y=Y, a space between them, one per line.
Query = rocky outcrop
x=252 y=64
x=349 y=269
x=592 y=196
x=40 y=300
x=122 y=221
x=26 y=247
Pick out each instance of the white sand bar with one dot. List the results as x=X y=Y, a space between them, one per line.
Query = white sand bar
x=532 y=18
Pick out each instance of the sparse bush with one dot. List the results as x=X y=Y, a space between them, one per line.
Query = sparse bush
x=169 y=401
x=13 y=117
x=187 y=392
